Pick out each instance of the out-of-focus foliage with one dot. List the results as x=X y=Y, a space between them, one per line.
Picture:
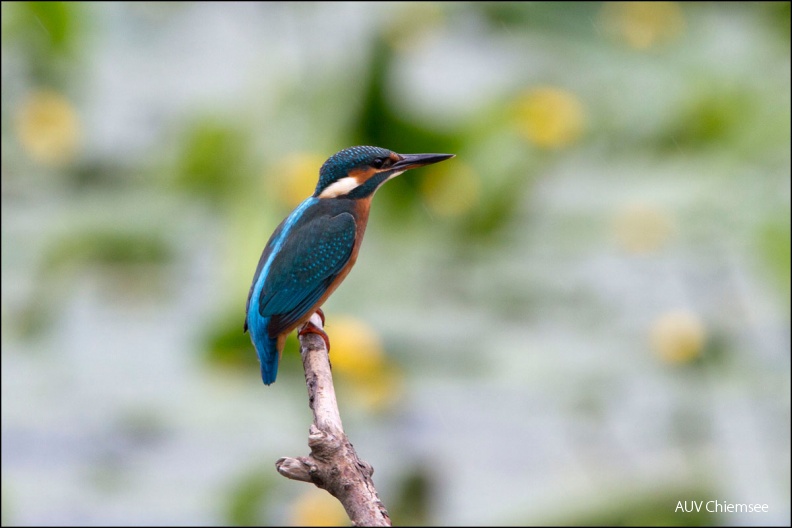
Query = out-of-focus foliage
x=412 y=504
x=212 y=161
x=774 y=242
x=47 y=34
x=657 y=509
x=247 y=505
x=593 y=295
x=108 y=248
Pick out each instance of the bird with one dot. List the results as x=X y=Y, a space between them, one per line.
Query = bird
x=314 y=248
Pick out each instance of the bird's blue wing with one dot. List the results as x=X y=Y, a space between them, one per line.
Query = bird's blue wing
x=304 y=268
x=264 y=256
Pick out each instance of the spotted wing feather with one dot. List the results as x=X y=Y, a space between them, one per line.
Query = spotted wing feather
x=304 y=268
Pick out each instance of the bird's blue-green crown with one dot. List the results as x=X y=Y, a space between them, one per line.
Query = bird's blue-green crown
x=339 y=164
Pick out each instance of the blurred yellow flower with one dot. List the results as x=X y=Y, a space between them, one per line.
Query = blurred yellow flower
x=450 y=189
x=550 y=117
x=356 y=348
x=296 y=176
x=356 y=353
x=317 y=508
x=48 y=128
x=677 y=336
x=643 y=24
x=642 y=228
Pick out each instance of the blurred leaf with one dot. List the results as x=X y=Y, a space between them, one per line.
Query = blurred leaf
x=775 y=247
x=413 y=503
x=228 y=346
x=380 y=124
x=495 y=210
x=714 y=117
x=716 y=353
x=110 y=248
x=248 y=503
x=507 y=176
x=655 y=509
x=31 y=320
x=46 y=32
x=129 y=260
x=570 y=18
x=107 y=174
x=213 y=160
x=778 y=14
x=56 y=19
x=5 y=510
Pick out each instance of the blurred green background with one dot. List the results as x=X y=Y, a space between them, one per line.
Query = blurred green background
x=584 y=318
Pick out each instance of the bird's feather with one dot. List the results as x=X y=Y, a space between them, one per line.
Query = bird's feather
x=264 y=256
x=302 y=270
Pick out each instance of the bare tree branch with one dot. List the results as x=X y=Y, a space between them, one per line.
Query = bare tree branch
x=333 y=464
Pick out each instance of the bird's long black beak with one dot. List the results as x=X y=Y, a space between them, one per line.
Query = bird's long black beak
x=412 y=161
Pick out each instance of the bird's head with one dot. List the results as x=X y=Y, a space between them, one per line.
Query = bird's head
x=357 y=172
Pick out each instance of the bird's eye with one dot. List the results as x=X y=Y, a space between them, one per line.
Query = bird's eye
x=378 y=163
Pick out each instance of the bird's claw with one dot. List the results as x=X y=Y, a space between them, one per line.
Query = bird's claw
x=310 y=328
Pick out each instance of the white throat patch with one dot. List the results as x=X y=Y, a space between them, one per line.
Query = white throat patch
x=340 y=187
x=346 y=185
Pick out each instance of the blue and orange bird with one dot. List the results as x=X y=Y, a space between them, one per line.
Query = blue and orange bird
x=314 y=248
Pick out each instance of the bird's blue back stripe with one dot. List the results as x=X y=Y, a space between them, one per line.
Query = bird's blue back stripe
x=276 y=245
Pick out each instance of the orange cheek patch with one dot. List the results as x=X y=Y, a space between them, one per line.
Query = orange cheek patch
x=362 y=175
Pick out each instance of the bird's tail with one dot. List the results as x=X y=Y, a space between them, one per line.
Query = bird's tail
x=268 y=353
x=268 y=357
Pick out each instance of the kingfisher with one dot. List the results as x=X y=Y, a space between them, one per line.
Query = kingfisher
x=314 y=248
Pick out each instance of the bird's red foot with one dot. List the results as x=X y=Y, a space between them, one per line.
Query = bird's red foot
x=310 y=328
